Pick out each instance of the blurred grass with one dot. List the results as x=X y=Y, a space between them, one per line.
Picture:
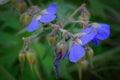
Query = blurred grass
x=106 y=58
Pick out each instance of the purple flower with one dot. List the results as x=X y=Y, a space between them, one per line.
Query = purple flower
x=77 y=51
x=47 y=16
x=103 y=31
x=50 y=15
x=98 y=31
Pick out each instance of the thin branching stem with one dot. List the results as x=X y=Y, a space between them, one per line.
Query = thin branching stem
x=74 y=13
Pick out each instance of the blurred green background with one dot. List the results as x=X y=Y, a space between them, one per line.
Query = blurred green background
x=106 y=56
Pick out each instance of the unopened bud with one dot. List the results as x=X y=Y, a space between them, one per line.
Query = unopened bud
x=52 y=38
x=62 y=47
x=78 y=41
x=22 y=56
x=31 y=57
x=25 y=19
x=34 y=11
x=89 y=51
x=89 y=54
x=20 y=5
x=84 y=65
x=85 y=16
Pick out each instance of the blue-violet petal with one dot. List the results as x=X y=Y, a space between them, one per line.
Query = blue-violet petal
x=76 y=52
x=33 y=25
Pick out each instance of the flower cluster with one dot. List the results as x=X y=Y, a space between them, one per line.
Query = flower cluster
x=91 y=32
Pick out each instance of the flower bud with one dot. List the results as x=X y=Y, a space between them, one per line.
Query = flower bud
x=31 y=57
x=62 y=47
x=89 y=54
x=78 y=41
x=52 y=38
x=34 y=11
x=25 y=19
x=22 y=56
x=84 y=65
x=20 y=5
x=89 y=51
x=85 y=16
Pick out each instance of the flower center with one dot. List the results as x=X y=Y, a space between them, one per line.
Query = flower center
x=96 y=25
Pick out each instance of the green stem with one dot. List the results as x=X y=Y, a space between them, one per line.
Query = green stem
x=79 y=67
x=90 y=61
x=37 y=72
x=22 y=70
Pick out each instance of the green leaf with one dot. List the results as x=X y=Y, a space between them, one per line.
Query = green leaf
x=8 y=39
x=9 y=20
x=5 y=75
x=97 y=8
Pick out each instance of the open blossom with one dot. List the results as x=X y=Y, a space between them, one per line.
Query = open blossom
x=97 y=31
x=93 y=33
x=103 y=31
x=46 y=15
x=77 y=51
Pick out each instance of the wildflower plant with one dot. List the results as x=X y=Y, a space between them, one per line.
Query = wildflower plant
x=73 y=46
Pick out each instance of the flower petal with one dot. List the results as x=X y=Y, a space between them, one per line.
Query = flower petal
x=47 y=18
x=87 y=30
x=88 y=37
x=102 y=33
x=95 y=41
x=105 y=26
x=33 y=25
x=76 y=52
x=52 y=9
